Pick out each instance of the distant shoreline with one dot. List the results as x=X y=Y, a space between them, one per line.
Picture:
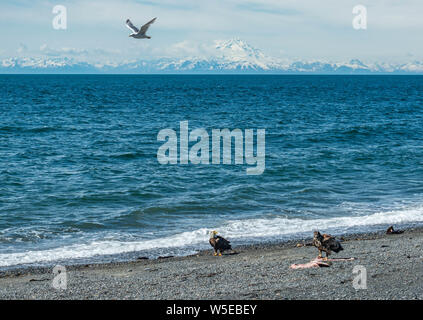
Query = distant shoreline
x=211 y=74
x=253 y=272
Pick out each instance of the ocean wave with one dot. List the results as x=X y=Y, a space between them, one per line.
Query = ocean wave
x=238 y=231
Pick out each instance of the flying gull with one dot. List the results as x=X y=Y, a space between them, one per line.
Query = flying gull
x=139 y=34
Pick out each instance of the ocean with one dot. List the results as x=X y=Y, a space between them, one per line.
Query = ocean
x=80 y=180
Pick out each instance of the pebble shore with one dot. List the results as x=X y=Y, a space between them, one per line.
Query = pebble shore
x=393 y=265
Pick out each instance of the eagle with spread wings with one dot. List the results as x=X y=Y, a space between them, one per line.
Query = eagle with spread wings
x=326 y=243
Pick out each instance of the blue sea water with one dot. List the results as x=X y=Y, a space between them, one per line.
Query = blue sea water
x=80 y=180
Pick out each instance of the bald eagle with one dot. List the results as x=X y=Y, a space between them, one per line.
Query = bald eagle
x=218 y=243
x=326 y=243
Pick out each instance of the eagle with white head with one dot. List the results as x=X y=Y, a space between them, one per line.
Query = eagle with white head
x=218 y=243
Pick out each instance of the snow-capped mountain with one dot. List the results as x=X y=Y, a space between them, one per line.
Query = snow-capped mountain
x=237 y=54
x=230 y=56
x=36 y=65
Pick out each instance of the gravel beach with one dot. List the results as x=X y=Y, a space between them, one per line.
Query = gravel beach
x=393 y=264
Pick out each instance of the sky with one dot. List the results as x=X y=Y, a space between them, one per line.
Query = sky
x=308 y=30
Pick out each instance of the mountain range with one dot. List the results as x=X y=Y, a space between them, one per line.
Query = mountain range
x=230 y=56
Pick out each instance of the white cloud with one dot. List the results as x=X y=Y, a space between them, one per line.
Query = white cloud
x=45 y=49
x=302 y=28
x=186 y=48
x=22 y=48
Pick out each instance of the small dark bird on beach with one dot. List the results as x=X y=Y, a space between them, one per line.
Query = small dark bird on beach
x=218 y=243
x=392 y=231
x=326 y=243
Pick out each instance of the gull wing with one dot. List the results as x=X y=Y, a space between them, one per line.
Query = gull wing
x=131 y=26
x=145 y=27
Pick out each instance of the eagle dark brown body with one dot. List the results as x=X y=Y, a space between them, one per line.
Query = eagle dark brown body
x=218 y=243
x=392 y=231
x=326 y=243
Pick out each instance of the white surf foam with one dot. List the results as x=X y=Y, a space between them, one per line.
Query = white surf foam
x=235 y=230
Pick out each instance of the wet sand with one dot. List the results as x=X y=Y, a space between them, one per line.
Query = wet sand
x=393 y=264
